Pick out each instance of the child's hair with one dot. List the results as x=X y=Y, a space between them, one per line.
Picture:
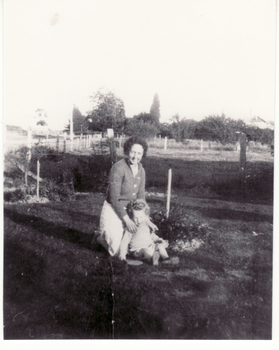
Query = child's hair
x=137 y=204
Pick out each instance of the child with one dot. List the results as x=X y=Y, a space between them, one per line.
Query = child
x=143 y=244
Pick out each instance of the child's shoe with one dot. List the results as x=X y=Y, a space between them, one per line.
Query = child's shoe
x=171 y=261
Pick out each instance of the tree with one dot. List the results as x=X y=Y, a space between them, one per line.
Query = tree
x=188 y=129
x=142 y=125
x=80 y=124
x=183 y=128
x=140 y=128
x=155 y=110
x=145 y=117
x=108 y=112
x=176 y=127
x=41 y=117
x=216 y=128
x=225 y=130
x=165 y=130
x=42 y=123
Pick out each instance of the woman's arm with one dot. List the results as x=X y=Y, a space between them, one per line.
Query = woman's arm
x=130 y=224
x=115 y=182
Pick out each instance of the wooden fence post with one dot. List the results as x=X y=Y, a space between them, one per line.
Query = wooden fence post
x=57 y=143
x=38 y=178
x=166 y=139
x=28 y=155
x=112 y=150
x=169 y=193
x=64 y=142
x=29 y=143
x=201 y=145
x=71 y=132
x=242 y=159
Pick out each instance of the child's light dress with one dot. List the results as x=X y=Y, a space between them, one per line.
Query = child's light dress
x=132 y=243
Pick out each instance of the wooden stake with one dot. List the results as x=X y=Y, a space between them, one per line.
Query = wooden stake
x=38 y=179
x=169 y=193
x=65 y=140
x=165 y=143
x=242 y=158
x=28 y=155
x=71 y=132
x=57 y=143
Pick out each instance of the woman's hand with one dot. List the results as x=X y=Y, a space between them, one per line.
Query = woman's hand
x=131 y=226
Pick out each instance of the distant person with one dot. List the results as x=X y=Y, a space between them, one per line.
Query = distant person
x=126 y=183
x=144 y=243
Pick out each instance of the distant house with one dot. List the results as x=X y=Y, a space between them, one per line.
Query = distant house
x=261 y=123
x=14 y=129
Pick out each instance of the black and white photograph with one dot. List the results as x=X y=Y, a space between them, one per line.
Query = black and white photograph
x=138 y=172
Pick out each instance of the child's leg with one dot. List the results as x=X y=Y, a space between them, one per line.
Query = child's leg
x=155 y=258
x=144 y=253
x=162 y=250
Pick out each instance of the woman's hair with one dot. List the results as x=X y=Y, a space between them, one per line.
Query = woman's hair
x=133 y=141
x=137 y=204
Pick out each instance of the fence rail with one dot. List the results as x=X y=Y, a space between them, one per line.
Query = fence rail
x=96 y=142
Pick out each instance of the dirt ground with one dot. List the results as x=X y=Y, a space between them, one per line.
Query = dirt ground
x=60 y=285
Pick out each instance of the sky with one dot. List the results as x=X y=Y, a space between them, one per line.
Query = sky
x=202 y=57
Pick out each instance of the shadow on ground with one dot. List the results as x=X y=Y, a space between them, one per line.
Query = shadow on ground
x=58 y=285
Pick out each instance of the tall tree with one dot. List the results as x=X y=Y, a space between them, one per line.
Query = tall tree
x=155 y=110
x=80 y=124
x=108 y=112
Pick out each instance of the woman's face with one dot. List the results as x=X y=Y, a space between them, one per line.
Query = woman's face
x=135 y=154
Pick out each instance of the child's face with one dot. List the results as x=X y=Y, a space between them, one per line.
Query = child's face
x=139 y=217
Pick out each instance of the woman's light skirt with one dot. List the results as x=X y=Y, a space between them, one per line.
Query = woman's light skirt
x=111 y=228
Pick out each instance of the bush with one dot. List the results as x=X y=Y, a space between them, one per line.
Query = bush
x=14 y=196
x=54 y=192
x=83 y=173
x=178 y=225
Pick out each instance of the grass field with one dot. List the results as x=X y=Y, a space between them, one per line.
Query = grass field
x=60 y=285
